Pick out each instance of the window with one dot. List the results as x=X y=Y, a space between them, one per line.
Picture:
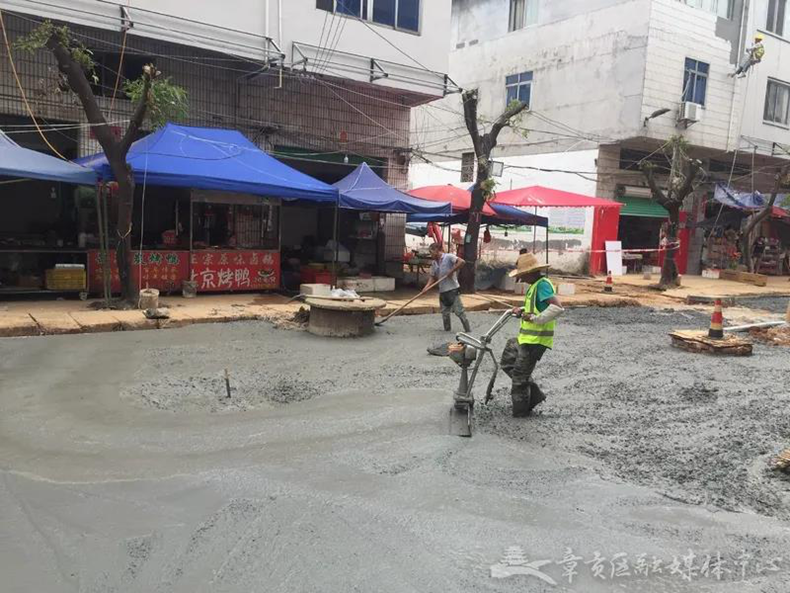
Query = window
x=400 y=14
x=777 y=11
x=467 y=167
x=695 y=81
x=106 y=71
x=777 y=103
x=522 y=14
x=519 y=88
x=722 y=8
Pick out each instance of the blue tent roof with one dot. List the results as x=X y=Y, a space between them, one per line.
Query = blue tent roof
x=16 y=161
x=506 y=215
x=214 y=159
x=362 y=189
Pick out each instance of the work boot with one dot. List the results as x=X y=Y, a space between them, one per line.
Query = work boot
x=538 y=397
x=521 y=404
x=448 y=324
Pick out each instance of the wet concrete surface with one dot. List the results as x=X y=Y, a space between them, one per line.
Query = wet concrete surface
x=125 y=467
x=772 y=304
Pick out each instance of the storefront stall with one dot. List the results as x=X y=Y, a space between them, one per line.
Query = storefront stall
x=210 y=209
x=42 y=246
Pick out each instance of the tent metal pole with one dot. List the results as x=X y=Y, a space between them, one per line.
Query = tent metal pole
x=191 y=230
x=337 y=246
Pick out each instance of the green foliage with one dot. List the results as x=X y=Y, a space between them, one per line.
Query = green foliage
x=39 y=37
x=166 y=101
x=488 y=186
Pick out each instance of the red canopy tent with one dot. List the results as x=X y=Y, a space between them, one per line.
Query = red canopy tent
x=460 y=199
x=606 y=214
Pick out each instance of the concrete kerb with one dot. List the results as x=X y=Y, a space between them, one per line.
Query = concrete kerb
x=17 y=325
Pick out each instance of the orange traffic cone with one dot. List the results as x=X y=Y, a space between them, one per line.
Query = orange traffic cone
x=608 y=287
x=716 y=330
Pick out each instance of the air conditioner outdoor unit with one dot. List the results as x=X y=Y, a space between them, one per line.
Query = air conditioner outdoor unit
x=635 y=191
x=690 y=113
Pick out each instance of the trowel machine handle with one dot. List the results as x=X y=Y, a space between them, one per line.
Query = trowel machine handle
x=481 y=345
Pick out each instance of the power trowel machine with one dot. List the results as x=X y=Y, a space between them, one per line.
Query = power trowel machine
x=470 y=352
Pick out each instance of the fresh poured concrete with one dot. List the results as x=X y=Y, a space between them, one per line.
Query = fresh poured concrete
x=124 y=466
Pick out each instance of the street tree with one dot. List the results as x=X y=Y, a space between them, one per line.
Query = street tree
x=684 y=176
x=781 y=183
x=155 y=100
x=483 y=189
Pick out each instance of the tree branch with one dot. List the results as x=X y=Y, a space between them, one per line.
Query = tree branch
x=504 y=120
x=694 y=169
x=649 y=173
x=470 y=118
x=82 y=88
x=149 y=73
x=781 y=179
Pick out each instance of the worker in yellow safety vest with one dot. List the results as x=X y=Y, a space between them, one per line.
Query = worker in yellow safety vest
x=754 y=55
x=536 y=334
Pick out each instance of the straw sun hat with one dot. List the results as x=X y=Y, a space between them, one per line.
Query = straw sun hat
x=527 y=264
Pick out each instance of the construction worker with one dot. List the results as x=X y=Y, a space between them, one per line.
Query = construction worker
x=536 y=334
x=754 y=55
x=447 y=264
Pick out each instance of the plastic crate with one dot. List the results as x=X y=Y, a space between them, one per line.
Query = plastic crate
x=65 y=279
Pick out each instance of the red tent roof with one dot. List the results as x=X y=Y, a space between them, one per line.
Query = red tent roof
x=460 y=199
x=543 y=197
x=777 y=212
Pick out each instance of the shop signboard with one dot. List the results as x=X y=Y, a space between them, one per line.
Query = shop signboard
x=163 y=270
x=236 y=270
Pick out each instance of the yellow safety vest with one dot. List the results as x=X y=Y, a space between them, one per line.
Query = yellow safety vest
x=536 y=333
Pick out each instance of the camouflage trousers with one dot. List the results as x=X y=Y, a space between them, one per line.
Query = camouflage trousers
x=519 y=362
x=450 y=302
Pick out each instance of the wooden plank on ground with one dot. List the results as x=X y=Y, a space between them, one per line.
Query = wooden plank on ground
x=698 y=341
x=744 y=277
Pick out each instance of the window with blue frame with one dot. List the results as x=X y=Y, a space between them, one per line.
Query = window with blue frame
x=695 y=81
x=519 y=88
x=399 y=14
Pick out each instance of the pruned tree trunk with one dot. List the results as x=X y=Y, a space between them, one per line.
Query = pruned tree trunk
x=781 y=181
x=483 y=145
x=683 y=175
x=669 y=269
x=115 y=150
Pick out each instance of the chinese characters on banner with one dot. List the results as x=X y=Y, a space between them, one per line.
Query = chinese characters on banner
x=221 y=271
x=163 y=270
x=214 y=271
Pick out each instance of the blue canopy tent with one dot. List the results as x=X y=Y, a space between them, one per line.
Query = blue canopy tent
x=362 y=189
x=24 y=163
x=216 y=160
x=239 y=208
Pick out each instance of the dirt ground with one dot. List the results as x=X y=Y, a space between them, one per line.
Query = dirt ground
x=125 y=466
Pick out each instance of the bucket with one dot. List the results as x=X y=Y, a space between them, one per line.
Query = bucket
x=189 y=289
x=149 y=299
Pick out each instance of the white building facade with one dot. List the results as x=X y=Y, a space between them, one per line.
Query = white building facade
x=608 y=82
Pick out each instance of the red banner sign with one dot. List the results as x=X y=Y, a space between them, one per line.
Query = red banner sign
x=214 y=271
x=226 y=271
x=163 y=270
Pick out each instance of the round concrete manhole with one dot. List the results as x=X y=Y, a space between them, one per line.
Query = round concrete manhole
x=210 y=393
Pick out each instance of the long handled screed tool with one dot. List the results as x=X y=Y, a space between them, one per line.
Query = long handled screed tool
x=424 y=290
x=468 y=350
